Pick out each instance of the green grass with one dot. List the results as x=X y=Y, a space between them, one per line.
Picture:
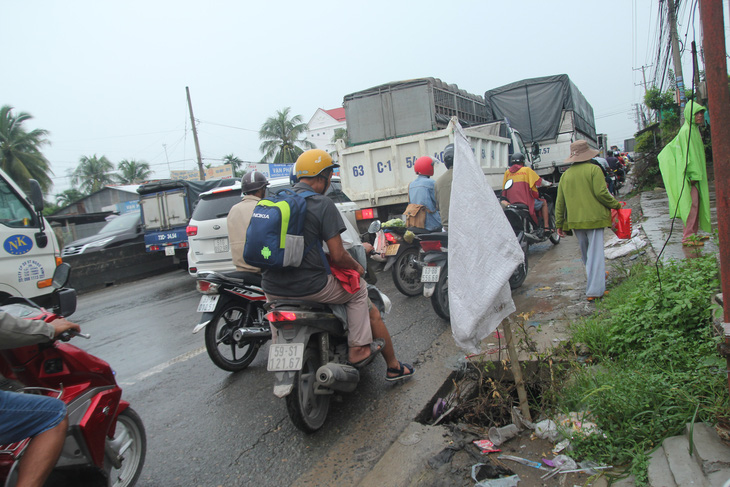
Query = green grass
x=654 y=366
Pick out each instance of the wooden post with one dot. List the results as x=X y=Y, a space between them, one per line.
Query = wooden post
x=516 y=369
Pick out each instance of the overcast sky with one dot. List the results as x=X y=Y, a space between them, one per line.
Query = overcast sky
x=109 y=78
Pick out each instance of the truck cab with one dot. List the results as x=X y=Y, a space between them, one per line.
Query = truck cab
x=30 y=252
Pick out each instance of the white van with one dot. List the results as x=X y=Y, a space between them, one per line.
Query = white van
x=29 y=253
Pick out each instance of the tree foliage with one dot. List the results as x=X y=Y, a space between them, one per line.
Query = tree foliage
x=132 y=171
x=235 y=163
x=68 y=196
x=20 y=150
x=281 y=135
x=93 y=173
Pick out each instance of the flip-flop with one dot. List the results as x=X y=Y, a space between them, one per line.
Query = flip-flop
x=376 y=347
x=402 y=373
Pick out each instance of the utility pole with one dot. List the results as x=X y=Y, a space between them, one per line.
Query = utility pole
x=195 y=137
x=643 y=74
x=719 y=107
x=676 y=60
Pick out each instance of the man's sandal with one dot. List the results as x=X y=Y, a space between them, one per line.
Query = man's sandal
x=404 y=372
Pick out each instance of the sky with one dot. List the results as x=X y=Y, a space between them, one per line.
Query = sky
x=108 y=77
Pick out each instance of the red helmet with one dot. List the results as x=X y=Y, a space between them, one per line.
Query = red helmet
x=424 y=165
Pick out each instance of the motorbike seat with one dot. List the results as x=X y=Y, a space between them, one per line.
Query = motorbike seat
x=247 y=277
x=297 y=303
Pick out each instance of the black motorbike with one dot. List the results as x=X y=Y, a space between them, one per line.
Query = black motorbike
x=435 y=271
x=528 y=231
x=401 y=257
x=232 y=304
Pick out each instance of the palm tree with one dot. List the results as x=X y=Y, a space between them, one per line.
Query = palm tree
x=20 y=154
x=281 y=138
x=235 y=163
x=132 y=171
x=93 y=173
x=68 y=196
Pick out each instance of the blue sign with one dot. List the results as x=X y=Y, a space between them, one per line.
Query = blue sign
x=18 y=244
x=279 y=170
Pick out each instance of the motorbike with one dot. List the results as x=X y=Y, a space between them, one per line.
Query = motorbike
x=435 y=272
x=527 y=231
x=308 y=356
x=106 y=441
x=401 y=254
x=232 y=304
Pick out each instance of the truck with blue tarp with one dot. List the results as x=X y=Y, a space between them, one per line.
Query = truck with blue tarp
x=166 y=206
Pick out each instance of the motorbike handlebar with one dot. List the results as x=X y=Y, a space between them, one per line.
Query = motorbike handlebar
x=68 y=334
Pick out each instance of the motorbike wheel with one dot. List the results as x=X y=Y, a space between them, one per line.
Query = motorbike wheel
x=440 y=296
x=222 y=349
x=307 y=410
x=520 y=274
x=406 y=277
x=130 y=442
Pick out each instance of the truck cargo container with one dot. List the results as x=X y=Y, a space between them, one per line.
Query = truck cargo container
x=409 y=107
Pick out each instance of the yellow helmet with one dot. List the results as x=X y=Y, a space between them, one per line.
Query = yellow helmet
x=312 y=162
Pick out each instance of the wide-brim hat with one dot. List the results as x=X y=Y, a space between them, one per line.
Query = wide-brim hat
x=580 y=151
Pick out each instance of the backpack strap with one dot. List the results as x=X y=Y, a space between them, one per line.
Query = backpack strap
x=306 y=194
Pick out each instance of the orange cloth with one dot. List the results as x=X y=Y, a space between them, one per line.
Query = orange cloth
x=349 y=278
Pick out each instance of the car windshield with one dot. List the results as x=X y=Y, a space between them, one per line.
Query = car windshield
x=216 y=205
x=126 y=221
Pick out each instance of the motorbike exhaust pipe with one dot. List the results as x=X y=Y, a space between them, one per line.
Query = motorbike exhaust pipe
x=253 y=332
x=338 y=377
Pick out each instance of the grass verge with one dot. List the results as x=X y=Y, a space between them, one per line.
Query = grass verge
x=653 y=367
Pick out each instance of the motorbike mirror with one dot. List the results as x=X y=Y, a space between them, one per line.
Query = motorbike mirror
x=66 y=302
x=374 y=226
x=508 y=184
x=61 y=275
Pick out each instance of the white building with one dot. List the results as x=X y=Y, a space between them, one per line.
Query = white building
x=322 y=127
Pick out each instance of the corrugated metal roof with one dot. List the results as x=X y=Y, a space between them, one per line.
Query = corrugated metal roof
x=336 y=113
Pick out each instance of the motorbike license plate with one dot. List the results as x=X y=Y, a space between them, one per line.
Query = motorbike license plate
x=392 y=250
x=207 y=303
x=286 y=356
x=169 y=250
x=220 y=245
x=430 y=273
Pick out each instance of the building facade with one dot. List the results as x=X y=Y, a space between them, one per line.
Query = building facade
x=322 y=128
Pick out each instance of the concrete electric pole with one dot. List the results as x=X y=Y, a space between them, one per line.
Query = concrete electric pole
x=676 y=60
x=195 y=137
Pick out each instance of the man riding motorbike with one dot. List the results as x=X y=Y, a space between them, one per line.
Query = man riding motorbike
x=422 y=191
x=253 y=188
x=524 y=189
x=443 y=186
x=29 y=415
x=312 y=282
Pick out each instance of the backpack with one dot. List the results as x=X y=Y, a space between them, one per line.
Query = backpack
x=275 y=235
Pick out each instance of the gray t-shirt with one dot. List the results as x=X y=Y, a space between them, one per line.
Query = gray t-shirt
x=323 y=221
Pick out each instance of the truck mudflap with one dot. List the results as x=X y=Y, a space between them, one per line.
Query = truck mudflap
x=167 y=241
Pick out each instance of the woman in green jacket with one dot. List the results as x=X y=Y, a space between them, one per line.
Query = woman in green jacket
x=584 y=206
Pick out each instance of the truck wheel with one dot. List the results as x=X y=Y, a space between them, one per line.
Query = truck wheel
x=307 y=410
x=406 y=275
x=520 y=274
x=222 y=349
x=440 y=296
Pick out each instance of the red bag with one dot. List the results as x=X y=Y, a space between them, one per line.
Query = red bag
x=621 y=222
x=349 y=278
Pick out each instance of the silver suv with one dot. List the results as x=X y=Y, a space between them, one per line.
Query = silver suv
x=208 y=228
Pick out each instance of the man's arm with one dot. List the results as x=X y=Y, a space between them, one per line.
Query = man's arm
x=340 y=257
x=17 y=332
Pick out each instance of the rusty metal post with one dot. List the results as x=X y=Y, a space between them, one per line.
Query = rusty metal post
x=719 y=108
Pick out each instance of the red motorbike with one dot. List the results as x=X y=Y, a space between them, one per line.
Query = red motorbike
x=106 y=442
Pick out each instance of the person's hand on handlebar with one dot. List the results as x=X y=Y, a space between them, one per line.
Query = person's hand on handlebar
x=62 y=324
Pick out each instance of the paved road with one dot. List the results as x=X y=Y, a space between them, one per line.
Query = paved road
x=208 y=427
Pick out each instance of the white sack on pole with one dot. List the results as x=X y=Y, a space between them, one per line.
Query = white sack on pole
x=483 y=252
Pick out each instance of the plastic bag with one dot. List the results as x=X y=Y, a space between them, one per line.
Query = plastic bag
x=621 y=222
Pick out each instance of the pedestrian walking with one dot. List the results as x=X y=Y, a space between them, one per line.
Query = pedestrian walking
x=682 y=164
x=584 y=207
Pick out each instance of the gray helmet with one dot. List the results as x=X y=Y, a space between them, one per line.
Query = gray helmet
x=253 y=181
x=449 y=156
x=517 y=158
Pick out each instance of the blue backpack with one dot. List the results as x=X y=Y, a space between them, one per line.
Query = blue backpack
x=275 y=235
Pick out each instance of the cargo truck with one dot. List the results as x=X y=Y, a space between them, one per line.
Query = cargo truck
x=30 y=252
x=550 y=113
x=166 y=207
x=376 y=175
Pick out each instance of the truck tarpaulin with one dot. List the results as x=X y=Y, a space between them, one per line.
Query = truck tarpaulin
x=483 y=252
x=534 y=107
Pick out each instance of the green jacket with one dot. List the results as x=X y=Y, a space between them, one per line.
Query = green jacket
x=681 y=162
x=583 y=202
